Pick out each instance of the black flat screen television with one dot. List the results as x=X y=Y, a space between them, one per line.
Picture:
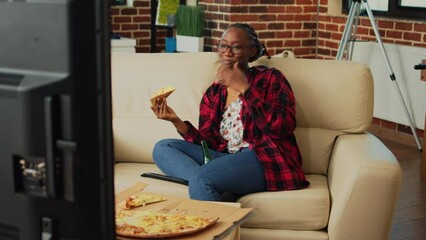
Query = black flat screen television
x=56 y=159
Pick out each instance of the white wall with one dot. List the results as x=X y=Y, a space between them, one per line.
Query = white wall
x=402 y=59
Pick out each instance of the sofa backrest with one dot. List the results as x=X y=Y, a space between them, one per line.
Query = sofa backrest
x=332 y=98
x=330 y=94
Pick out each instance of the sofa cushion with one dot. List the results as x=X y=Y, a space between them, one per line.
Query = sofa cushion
x=306 y=209
x=134 y=77
x=282 y=234
x=127 y=174
x=316 y=146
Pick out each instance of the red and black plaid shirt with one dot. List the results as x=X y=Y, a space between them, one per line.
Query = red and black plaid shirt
x=268 y=116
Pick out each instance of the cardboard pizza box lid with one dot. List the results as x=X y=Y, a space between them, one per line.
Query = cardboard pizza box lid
x=230 y=215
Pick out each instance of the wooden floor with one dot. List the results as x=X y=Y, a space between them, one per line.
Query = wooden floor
x=410 y=215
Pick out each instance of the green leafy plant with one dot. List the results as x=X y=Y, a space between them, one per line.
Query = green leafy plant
x=190 y=21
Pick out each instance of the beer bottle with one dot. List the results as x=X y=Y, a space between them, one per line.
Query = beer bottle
x=206 y=152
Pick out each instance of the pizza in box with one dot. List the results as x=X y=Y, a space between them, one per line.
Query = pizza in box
x=151 y=224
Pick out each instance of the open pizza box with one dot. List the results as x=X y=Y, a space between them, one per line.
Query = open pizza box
x=230 y=217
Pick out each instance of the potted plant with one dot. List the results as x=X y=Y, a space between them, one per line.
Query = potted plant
x=190 y=28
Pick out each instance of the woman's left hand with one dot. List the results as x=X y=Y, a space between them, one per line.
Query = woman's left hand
x=232 y=77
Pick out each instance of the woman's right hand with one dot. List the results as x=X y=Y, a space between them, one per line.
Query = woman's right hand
x=163 y=111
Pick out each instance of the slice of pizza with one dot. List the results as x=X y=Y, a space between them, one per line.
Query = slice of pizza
x=164 y=92
x=138 y=200
x=146 y=224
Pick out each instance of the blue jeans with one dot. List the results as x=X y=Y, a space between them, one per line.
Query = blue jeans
x=240 y=173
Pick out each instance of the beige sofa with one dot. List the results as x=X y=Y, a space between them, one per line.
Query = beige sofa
x=354 y=178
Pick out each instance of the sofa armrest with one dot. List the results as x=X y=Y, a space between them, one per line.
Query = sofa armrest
x=364 y=180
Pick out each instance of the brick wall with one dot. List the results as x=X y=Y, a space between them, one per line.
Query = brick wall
x=281 y=24
x=135 y=22
x=403 y=32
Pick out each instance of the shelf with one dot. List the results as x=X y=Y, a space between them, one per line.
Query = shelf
x=123 y=45
x=154 y=27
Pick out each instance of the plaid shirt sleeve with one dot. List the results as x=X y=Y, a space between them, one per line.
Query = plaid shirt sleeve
x=269 y=123
x=272 y=104
x=209 y=120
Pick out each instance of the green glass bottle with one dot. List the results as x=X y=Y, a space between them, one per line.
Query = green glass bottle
x=206 y=152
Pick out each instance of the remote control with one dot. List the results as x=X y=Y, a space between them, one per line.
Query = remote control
x=165 y=178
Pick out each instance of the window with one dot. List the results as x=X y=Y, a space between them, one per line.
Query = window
x=412 y=9
x=413 y=3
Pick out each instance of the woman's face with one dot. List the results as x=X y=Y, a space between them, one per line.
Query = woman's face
x=235 y=47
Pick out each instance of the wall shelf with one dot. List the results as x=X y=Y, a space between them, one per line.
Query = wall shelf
x=123 y=45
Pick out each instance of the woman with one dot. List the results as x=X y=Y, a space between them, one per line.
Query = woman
x=247 y=118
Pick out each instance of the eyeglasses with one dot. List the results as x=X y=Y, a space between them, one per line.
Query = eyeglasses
x=235 y=49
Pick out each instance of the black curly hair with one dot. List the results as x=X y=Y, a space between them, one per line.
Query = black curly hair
x=253 y=38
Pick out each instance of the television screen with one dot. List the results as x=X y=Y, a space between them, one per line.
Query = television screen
x=56 y=160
